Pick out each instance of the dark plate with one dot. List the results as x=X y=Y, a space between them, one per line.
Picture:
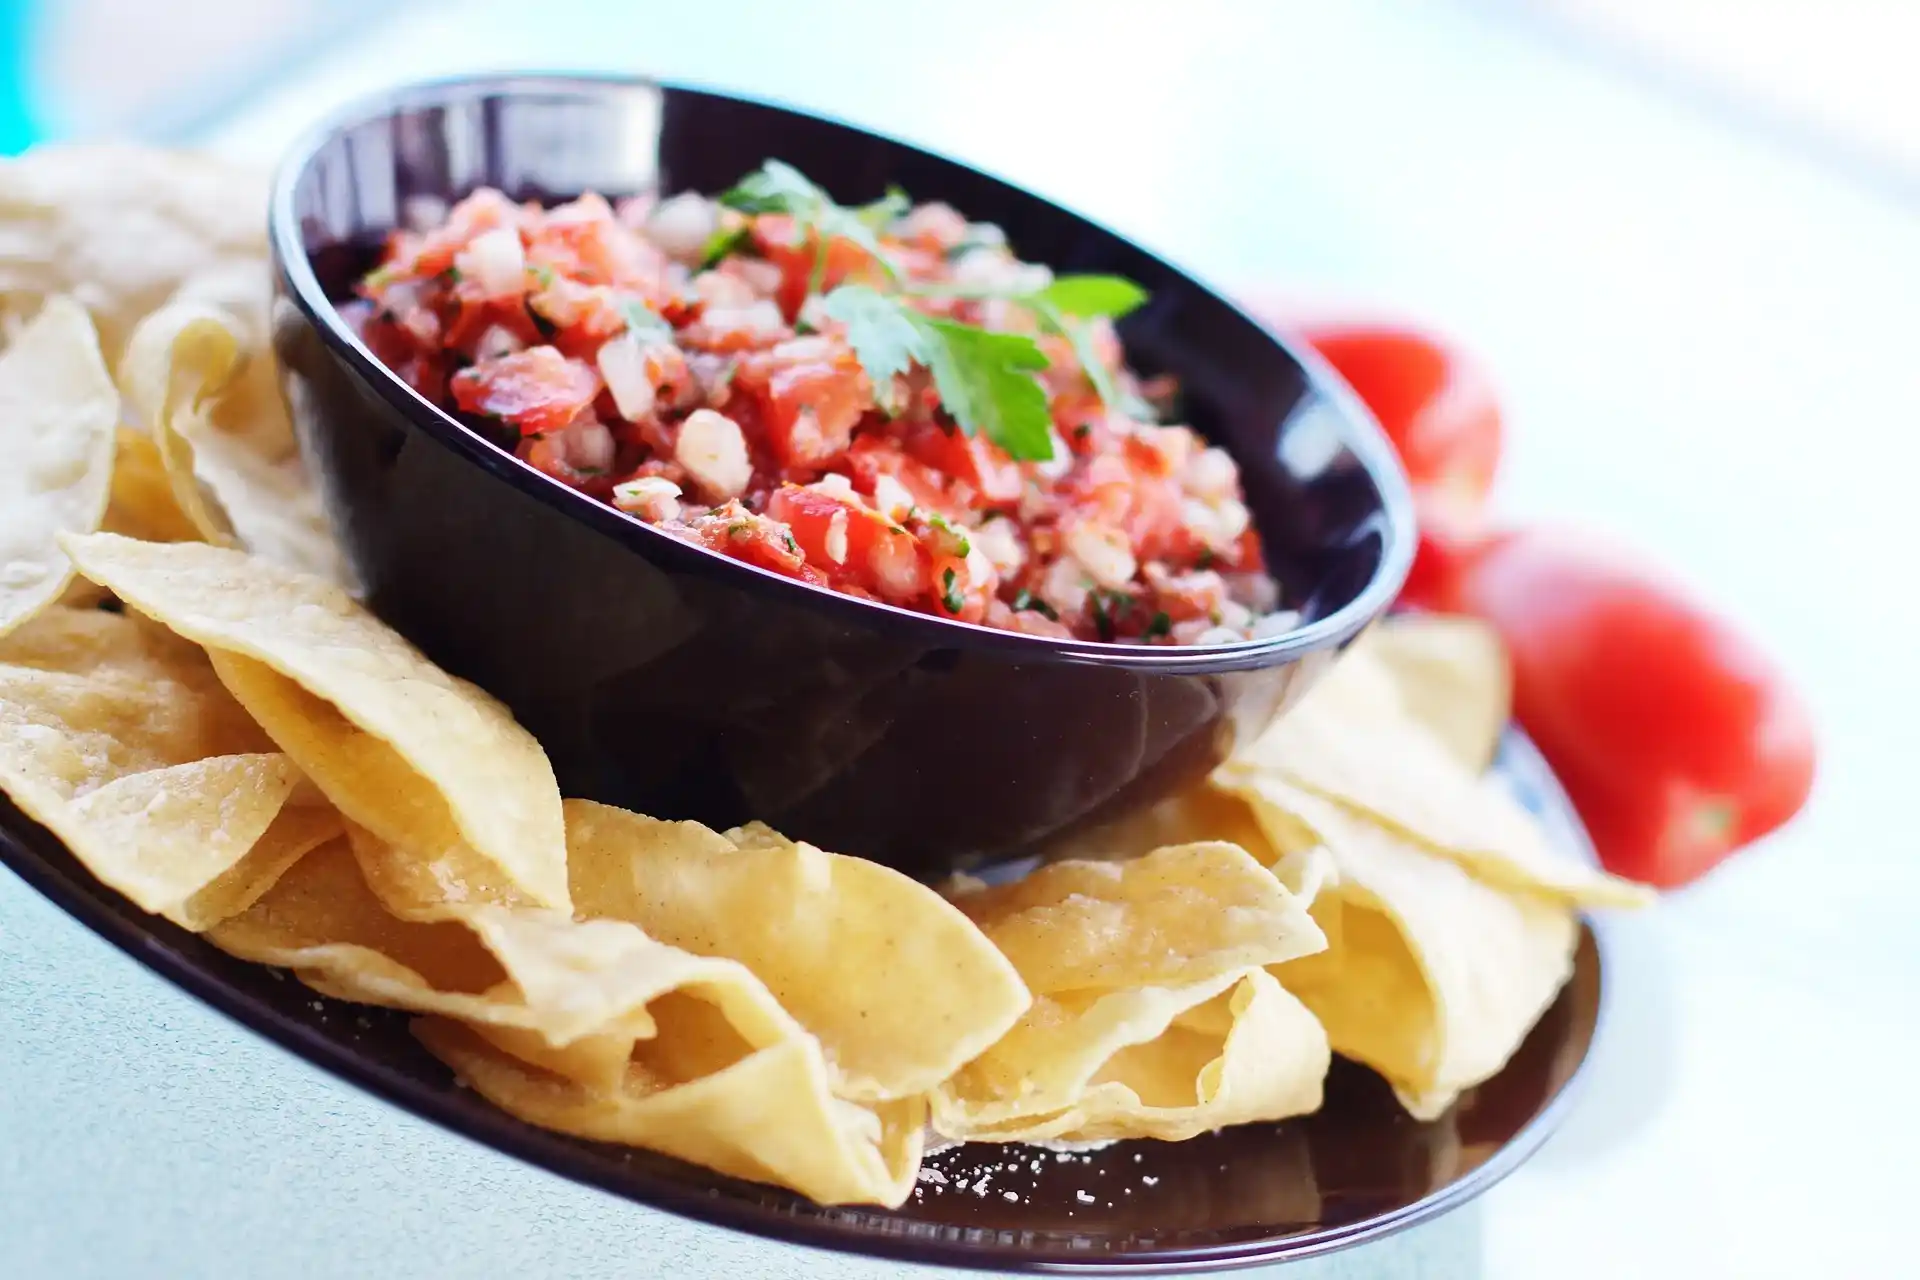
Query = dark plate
x=1357 y=1170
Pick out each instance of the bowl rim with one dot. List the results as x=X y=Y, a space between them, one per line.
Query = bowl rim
x=1361 y=433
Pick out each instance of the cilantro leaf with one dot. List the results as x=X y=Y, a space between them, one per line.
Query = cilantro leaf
x=725 y=241
x=986 y=382
x=882 y=212
x=1089 y=296
x=775 y=187
x=644 y=323
x=1077 y=336
x=880 y=330
x=778 y=187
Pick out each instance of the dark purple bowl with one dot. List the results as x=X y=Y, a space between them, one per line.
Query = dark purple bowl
x=682 y=683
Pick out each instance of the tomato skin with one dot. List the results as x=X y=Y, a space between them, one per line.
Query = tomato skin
x=537 y=389
x=1437 y=407
x=1435 y=403
x=1677 y=740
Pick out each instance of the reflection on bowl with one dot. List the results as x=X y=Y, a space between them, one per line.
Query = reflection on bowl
x=681 y=683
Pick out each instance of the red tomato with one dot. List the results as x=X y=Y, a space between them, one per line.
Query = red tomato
x=979 y=463
x=811 y=393
x=1678 y=741
x=1434 y=402
x=797 y=256
x=1437 y=407
x=537 y=389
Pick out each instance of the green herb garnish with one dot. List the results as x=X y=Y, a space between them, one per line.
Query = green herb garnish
x=1025 y=600
x=985 y=379
x=778 y=187
x=451 y=275
x=542 y=276
x=792 y=546
x=1160 y=625
x=644 y=323
x=720 y=244
x=950 y=595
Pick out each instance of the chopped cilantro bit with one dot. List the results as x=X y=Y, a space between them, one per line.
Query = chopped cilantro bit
x=1026 y=600
x=955 y=539
x=1089 y=296
x=451 y=275
x=881 y=332
x=1109 y=607
x=792 y=546
x=1160 y=625
x=543 y=276
x=950 y=593
x=737 y=528
x=724 y=243
x=883 y=212
x=778 y=187
x=644 y=323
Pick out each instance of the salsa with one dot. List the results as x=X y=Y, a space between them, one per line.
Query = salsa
x=881 y=400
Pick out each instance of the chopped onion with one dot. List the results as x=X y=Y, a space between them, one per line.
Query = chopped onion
x=495 y=261
x=714 y=451
x=682 y=225
x=623 y=365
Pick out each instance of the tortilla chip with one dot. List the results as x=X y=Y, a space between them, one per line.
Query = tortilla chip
x=898 y=986
x=142 y=504
x=1436 y=977
x=1176 y=916
x=121 y=742
x=426 y=762
x=1144 y=1063
x=57 y=414
x=121 y=228
x=297 y=830
x=1453 y=678
x=200 y=375
x=1343 y=743
x=1122 y=957
x=766 y=1116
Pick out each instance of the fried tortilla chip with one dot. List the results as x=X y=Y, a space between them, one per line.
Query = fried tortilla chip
x=142 y=504
x=1152 y=1062
x=199 y=374
x=528 y=968
x=120 y=741
x=121 y=228
x=428 y=763
x=1175 y=916
x=766 y=1115
x=1436 y=976
x=57 y=414
x=897 y=984
x=1453 y=678
x=1344 y=743
x=1151 y=1004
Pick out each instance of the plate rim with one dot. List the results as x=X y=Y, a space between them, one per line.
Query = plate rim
x=546 y=1150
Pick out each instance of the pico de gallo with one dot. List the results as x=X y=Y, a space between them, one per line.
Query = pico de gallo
x=882 y=400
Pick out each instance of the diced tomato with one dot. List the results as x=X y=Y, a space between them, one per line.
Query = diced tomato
x=875 y=456
x=584 y=241
x=983 y=465
x=429 y=254
x=952 y=585
x=811 y=393
x=782 y=243
x=536 y=390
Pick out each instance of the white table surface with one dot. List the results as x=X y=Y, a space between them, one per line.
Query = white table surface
x=1706 y=345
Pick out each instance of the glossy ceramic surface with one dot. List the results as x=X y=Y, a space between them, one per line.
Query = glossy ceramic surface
x=677 y=682
x=1354 y=1171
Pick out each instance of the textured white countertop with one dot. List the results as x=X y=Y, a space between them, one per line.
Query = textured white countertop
x=1706 y=345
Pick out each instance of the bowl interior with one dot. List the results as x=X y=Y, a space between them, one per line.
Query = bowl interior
x=1326 y=494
